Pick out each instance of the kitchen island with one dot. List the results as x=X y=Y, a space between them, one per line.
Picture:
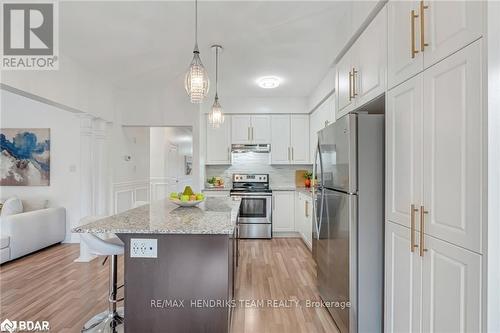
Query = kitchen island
x=188 y=284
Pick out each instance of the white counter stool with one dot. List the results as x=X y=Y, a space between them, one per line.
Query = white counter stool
x=110 y=320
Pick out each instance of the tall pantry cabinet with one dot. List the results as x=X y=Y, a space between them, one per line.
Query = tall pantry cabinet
x=435 y=167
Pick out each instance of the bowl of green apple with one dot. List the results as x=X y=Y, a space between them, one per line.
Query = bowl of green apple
x=187 y=198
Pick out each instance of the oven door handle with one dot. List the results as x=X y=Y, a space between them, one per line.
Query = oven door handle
x=246 y=196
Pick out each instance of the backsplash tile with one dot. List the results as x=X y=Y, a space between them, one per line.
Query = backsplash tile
x=279 y=175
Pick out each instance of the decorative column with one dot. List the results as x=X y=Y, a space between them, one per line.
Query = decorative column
x=99 y=161
x=86 y=179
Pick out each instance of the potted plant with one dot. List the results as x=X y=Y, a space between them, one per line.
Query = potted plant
x=307 y=176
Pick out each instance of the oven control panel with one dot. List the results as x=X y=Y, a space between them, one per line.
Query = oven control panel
x=253 y=178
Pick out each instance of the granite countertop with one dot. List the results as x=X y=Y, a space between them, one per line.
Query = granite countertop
x=213 y=216
x=301 y=189
x=216 y=189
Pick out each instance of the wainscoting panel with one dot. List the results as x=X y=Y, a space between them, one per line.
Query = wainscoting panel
x=125 y=194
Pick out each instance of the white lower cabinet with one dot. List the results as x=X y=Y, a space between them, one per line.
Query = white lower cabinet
x=451 y=285
x=283 y=214
x=403 y=271
x=440 y=290
x=303 y=217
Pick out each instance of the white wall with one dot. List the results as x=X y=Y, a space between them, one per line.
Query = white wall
x=74 y=87
x=169 y=146
x=260 y=105
x=133 y=142
x=20 y=112
x=164 y=106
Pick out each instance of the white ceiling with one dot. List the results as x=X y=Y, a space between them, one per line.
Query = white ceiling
x=150 y=43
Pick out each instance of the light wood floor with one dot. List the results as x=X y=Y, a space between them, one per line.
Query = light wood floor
x=282 y=269
x=48 y=285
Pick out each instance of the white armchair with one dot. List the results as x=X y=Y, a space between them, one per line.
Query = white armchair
x=27 y=232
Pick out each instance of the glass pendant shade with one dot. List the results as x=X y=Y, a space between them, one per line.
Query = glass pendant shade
x=196 y=81
x=216 y=117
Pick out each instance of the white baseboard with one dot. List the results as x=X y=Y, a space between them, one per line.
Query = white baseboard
x=286 y=234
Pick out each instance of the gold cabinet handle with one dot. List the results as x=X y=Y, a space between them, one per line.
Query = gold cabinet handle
x=252 y=133
x=423 y=44
x=292 y=153
x=413 y=16
x=413 y=210
x=422 y=230
x=354 y=72
x=350 y=86
x=248 y=133
x=288 y=154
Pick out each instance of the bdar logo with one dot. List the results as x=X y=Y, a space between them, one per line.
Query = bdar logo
x=8 y=326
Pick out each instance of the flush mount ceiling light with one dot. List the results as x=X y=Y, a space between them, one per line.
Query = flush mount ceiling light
x=216 y=117
x=269 y=82
x=196 y=81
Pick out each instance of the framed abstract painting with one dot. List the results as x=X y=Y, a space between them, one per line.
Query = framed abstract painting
x=25 y=157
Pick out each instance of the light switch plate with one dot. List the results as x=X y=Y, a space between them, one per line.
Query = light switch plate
x=143 y=248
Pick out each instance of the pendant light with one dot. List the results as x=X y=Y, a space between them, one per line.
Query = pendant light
x=196 y=81
x=216 y=117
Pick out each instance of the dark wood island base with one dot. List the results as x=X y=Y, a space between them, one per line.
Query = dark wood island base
x=187 y=288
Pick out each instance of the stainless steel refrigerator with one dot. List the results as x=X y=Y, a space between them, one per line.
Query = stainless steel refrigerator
x=348 y=227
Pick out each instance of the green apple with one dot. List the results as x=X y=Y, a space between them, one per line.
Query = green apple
x=185 y=198
x=174 y=195
x=199 y=196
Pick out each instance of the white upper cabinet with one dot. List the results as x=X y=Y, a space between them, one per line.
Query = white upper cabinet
x=454 y=148
x=402 y=281
x=421 y=33
x=404 y=56
x=246 y=129
x=449 y=26
x=404 y=151
x=299 y=140
x=240 y=129
x=371 y=61
x=280 y=139
x=319 y=119
x=290 y=139
x=451 y=281
x=361 y=73
x=219 y=143
x=343 y=84
x=261 y=129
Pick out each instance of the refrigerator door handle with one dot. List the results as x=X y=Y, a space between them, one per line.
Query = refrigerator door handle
x=315 y=165
x=317 y=222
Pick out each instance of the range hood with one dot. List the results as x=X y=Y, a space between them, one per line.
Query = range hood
x=256 y=148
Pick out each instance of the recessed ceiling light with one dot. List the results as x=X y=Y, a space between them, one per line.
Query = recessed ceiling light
x=269 y=82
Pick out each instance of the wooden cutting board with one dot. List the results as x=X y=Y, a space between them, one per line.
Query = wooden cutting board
x=299 y=177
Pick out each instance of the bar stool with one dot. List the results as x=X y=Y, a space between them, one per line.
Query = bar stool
x=111 y=320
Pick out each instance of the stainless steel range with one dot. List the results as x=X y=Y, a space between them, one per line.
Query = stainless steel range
x=255 y=218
